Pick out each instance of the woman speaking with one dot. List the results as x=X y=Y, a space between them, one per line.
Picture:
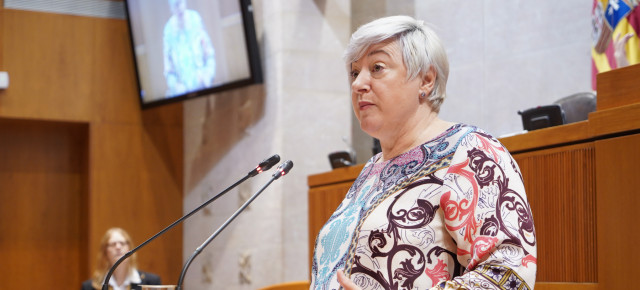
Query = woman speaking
x=443 y=206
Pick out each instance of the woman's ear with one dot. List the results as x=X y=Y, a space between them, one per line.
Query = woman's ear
x=428 y=81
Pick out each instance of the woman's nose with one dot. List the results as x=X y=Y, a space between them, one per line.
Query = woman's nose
x=361 y=83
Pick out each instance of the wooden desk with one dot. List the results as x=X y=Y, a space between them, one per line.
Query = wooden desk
x=581 y=182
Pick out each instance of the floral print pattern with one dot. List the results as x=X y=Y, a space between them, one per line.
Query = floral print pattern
x=451 y=213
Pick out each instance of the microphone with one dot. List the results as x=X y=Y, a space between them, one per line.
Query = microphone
x=282 y=170
x=265 y=165
x=262 y=166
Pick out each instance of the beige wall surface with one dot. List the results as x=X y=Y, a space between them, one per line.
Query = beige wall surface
x=301 y=112
x=507 y=56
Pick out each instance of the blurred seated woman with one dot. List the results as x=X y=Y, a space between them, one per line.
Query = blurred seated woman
x=443 y=206
x=114 y=244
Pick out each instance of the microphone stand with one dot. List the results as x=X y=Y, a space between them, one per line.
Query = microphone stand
x=263 y=166
x=282 y=170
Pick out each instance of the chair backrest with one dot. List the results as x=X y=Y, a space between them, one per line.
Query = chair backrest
x=577 y=107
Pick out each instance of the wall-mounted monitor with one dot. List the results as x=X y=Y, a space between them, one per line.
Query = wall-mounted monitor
x=189 y=48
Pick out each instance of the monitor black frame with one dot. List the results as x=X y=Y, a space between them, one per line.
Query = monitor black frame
x=253 y=55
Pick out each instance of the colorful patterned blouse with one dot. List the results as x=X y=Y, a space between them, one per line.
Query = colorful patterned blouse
x=451 y=213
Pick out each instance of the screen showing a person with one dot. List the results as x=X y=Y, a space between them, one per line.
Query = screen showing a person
x=183 y=48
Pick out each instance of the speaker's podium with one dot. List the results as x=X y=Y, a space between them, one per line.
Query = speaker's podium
x=581 y=181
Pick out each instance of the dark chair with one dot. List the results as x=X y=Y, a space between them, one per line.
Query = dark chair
x=577 y=107
x=570 y=109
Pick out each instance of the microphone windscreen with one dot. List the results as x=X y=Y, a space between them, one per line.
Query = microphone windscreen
x=287 y=166
x=269 y=162
x=265 y=165
x=283 y=169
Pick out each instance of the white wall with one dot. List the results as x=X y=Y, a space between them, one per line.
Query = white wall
x=507 y=56
x=306 y=114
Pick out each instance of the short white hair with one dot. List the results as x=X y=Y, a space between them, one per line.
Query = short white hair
x=421 y=49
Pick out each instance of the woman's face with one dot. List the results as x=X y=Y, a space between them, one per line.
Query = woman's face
x=382 y=97
x=116 y=247
x=178 y=7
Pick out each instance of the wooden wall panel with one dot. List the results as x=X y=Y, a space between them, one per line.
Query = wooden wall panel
x=1 y=36
x=618 y=120
x=71 y=68
x=135 y=186
x=113 y=78
x=49 y=58
x=67 y=68
x=43 y=204
x=560 y=186
x=547 y=137
x=618 y=204
x=618 y=87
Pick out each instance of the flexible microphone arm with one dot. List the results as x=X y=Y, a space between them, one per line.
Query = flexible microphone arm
x=263 y=166
x=281 y=171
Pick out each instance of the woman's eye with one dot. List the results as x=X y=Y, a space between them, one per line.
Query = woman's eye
x=377 y=67
x=353 y=75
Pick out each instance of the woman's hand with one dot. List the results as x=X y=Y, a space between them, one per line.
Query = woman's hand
x=346 y=283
